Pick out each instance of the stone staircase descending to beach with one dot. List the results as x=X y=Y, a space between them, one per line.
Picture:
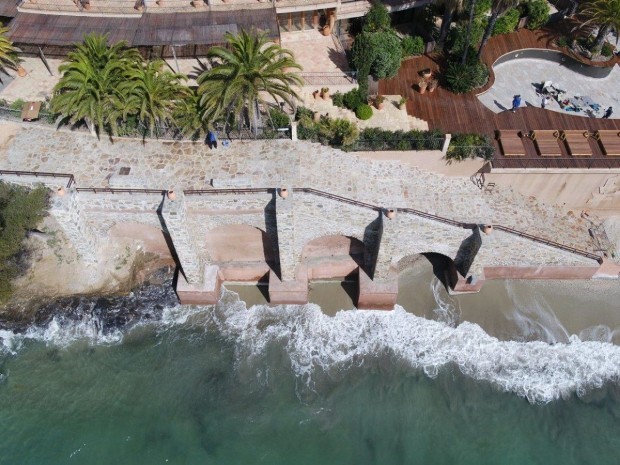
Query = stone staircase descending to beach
x=390 y=117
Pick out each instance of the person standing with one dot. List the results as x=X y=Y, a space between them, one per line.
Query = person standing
x=608 y=113
x=212 y=140
x=543 y=102
x=516 y=103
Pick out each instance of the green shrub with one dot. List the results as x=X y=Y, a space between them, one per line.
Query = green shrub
x=607 y=50
x=303 y=112
x=458 y=35
x=464 y=146
x=363 y=112
x=563 y=41
x=353 y=99
x=278 y=119
x=17 y=104
x=21 y=209
x=335 y=132
x=377 y=53
x=482 y=8
x=464 y=78
x=507 y=23
x=538 y=13
x=412 y=45
x=338 y=99
x=377 y=18
x=381 y=139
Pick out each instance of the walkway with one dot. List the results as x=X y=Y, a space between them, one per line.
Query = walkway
x=185 y=165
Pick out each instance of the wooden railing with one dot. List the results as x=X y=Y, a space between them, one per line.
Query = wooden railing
x=550 y=163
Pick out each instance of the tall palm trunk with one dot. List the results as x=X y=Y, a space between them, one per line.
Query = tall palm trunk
x=472 y=8
x=487 y=32
x=600 y=39
x=445 y=25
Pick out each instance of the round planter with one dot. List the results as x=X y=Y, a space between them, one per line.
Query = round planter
x=283 y=192
x=171 y=195
x=21 y=72
x=61 y=191
x=487 y=229
x=326 y=30
x=390 y=213
x=316 y=116
x=325 y=95
x=380 y=106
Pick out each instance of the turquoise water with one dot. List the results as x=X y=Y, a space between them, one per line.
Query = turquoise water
x=292 y=386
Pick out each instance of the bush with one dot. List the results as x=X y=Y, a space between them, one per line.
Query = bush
x=412 y=46
x=563 y=41
x=17 y=104
x=507 y=23
x=464 y=146
x=303 y=112
x=381 y=139
x=338 y=99
x=457 y=37
x=353 y=99
x=464 y=78
x=482 y=8
x=607 y=50
x=377 y=53
x=21 y=209
x=377 y=18
x=278 y=119
x=538 y=13
x=364 y=111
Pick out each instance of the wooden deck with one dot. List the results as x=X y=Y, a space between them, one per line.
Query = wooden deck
x=465 y=113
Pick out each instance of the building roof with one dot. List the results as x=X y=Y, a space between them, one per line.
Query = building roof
x=8 y=8
x=200 y=28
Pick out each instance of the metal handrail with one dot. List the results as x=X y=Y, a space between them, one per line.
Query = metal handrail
x=243 y=190
x=41 y=174
x=114 y=190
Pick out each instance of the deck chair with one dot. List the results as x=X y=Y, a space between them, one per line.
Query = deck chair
x=609 y=140
x=547 y=142
x=578 y=143
x=510 y=143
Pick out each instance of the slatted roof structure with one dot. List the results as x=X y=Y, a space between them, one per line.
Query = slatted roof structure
x=65 y=30
x=151 y=29
x=8 y=8
x=203 y=28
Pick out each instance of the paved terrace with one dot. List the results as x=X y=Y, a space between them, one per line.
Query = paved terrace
x=186 y=165
x=465 y=113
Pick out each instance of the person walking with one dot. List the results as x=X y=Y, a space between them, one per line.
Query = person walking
x=608 y=113
x=516 y=103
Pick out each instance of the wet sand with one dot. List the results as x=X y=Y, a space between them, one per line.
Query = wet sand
x=549 y=310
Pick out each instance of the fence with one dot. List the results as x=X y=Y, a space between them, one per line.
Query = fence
x=549 y=163
x=334 y=78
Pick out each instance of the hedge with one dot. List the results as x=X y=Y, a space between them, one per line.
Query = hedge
x=469 y=146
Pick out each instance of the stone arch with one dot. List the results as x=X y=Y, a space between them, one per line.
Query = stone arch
x=332 y=256
x=153 y=238
x=444 y=267
x=242 y=252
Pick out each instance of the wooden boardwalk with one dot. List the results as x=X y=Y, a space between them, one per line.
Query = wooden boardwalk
x=465 y=113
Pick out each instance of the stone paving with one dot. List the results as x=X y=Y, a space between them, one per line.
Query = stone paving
x=518 y=77
x=186 y=165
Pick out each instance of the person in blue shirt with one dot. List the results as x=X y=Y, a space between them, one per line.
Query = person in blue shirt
x=212 y=140
x=516 y=103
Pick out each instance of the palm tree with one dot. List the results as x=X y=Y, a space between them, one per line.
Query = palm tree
x=499 y=8
x=250 y=70
x=8 y=52
x=606 y=15
x=90 y=87
x=153 y=93
x=472 y=9
x=188 y=115
x=450 y=7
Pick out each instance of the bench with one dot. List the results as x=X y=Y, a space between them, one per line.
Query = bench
x=578 y=143
x=510 y=143
x=609 y=140
x=547 y=142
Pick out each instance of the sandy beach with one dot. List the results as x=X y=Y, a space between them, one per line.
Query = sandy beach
x=549 y=310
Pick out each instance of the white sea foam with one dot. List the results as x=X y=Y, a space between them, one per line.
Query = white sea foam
x=538 y=371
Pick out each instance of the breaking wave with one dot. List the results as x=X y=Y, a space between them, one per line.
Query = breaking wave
x=315 y=342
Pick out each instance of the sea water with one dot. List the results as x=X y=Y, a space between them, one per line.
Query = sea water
x=291 y=385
